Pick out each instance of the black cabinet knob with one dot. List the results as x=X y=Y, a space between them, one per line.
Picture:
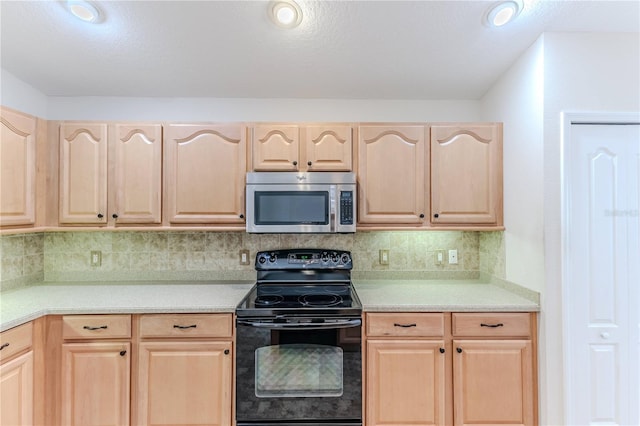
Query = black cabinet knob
x=115 y=216
x=441 y=350
x=241 y=216
x=100 y=215
x=421 y=215
x=436 y=215
x=309 y=163
x=226 y=351
x=295 y=163
x=122 y=353
x=459 y=350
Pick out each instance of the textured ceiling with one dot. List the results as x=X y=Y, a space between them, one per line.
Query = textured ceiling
x=343 y=49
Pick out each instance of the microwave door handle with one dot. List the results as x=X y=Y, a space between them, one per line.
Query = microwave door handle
x=332 y=206
x=301 y=326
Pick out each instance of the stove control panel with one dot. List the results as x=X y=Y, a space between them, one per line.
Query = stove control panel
x=293 y=259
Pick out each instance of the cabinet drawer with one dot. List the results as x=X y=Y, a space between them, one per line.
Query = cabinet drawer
x=96 y=326
x=405 y=324
x=15 y=340
x=185 y=325
x=496 y=325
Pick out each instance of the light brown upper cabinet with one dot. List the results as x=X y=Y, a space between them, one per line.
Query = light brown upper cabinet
x=17 y=168
x=205 y=169
x=284 y=147
x=466 y=174
x=126 y=159
x=392 y=174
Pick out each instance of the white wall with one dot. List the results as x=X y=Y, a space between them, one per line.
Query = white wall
x=517 y=100
x=16 y=94
x=584 y=72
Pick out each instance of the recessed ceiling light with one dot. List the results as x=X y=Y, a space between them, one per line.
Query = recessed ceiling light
x=285 y=13
x=504 y=12
x=83 y=10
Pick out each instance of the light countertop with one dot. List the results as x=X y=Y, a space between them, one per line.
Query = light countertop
x=25 y=304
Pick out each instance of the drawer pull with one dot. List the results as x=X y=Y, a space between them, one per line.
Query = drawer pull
x=183 y=327
x=88 y=327
x=4 y=345
x=492 y=325
x=404 y=325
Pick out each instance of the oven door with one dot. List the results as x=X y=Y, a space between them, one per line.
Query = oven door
x=299 y=371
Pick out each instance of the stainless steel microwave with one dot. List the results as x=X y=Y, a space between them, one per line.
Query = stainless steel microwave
x=292 y=202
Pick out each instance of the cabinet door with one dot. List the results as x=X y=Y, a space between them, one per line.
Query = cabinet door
x=391 y=174
x=184 y=383
x=493 y=382
x=96 y=383
x=405 y=382
x=466 y=174
x=136 y=164
x=16 y=389
x=83 y=173
x=17 y=168
x=276 y=148
x=328 y=148
x=205 y=173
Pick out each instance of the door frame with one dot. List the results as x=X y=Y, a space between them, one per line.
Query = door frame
x=567 y=120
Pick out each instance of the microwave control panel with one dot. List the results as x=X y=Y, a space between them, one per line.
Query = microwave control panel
x=346 y=207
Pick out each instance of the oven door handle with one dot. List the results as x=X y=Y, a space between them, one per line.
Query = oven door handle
x=301 y=326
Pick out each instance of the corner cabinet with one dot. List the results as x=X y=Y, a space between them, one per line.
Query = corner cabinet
x=392 y=174
x=288 y=147
x=466 y=174
x=205 y=168
x=17 y=376
x=124 y=159
x=17 y=168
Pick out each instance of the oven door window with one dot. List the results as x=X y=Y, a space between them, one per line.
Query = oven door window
x=291 y=207
x=298 y=370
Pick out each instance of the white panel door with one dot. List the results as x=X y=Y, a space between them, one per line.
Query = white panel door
x=602 y=297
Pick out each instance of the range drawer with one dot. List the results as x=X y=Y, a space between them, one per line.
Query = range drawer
x=186 y=325
x=405 y=324
x=96 y=327
x=15 y=340
x=491 y=324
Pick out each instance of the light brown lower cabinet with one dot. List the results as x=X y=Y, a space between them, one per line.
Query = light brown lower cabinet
x=185 y=370
x=450 y=368
x=16 y=376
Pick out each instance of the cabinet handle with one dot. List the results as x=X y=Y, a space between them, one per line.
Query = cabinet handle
x=459 y=350
x=492 y=325
x=241 y=216
x=226 y=351
x=122 y=353
x=404 y=325
x=295 y=163
x=115 y=216
x=4 y=345
x=182 y=327
x=421 y=215
x=88 y=327
x=441 y=350
x=100 y=215
x=436 y=215
x=309 y=163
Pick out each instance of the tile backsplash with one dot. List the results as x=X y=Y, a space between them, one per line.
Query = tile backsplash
x=202 y=255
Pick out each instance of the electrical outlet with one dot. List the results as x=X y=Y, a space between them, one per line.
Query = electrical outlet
x=384 y=257
x=96 y=258
x=439 y=257
x=453 y=257
x=244 y=257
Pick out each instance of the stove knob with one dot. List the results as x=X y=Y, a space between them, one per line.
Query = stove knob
x=324 y=257
x=334 y=257
x=273 y=258
x=345 y=258
x=262 y=259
